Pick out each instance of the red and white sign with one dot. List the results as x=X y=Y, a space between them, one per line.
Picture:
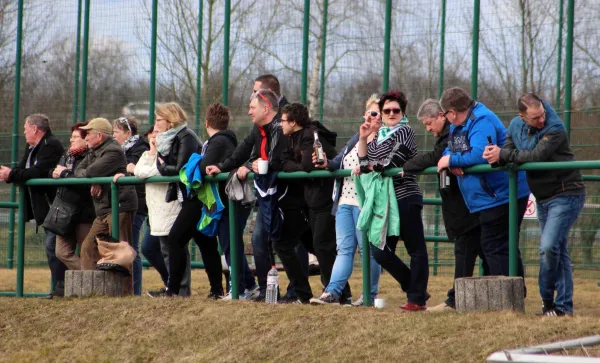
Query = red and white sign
x=531 y=211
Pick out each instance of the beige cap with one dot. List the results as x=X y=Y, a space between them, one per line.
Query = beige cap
x=99 y=124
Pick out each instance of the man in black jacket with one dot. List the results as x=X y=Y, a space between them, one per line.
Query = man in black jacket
x=269 y=144
x=317 y=192
x=461 y=226
x=42 y=154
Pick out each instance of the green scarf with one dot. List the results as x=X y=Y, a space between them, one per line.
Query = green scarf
x=386 y=132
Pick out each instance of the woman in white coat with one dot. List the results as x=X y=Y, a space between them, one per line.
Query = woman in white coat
x=161 y=214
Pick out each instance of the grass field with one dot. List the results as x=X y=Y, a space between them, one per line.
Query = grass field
x=192 y=330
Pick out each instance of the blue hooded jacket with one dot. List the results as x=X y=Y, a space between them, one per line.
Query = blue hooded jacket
x=550 y=143
x=466 y=146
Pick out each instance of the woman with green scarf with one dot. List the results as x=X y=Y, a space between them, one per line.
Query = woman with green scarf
x=394 y=144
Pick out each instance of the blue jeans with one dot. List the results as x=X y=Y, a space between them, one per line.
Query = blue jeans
x=138 y=221
x=152 y=252
x=242 y=212
x=556 y=217
x=347 y=239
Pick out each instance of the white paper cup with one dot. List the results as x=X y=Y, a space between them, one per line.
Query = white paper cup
x=263 y=166
x=379 y=303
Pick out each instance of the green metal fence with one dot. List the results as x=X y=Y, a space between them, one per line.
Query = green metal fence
x=77 y=59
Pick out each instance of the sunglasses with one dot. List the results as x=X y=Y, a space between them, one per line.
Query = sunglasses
x=387 y=111
x=125 y=121
x=373 y=113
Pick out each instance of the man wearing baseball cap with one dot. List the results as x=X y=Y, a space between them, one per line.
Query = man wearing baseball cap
x=106 y=158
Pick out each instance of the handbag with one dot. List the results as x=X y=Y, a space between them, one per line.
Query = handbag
x=61 y=217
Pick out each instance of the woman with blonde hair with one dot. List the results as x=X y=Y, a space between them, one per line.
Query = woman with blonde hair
x=175 y=144
x=346 y=210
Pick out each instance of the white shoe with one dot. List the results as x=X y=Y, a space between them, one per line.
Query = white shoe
x=229 y=296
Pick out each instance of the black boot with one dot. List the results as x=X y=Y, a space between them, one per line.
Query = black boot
x=59 y=289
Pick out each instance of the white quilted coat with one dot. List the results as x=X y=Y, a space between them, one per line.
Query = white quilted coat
x=161 y=214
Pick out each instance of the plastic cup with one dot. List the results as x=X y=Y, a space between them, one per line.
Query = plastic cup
x=379 y=303
x=263 y=166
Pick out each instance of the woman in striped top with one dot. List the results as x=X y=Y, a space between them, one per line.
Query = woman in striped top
x=394 y=144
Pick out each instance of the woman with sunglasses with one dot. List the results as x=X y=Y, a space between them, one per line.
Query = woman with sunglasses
x=346 y=210
x=125 y=131
x=392 y=146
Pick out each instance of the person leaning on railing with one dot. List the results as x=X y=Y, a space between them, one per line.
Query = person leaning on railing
x=175 y=144
x=105 y=159
x=487 y=193
x=394 y=144
x=538 y=134
x=125 y=131
x=346 y=210
x=77 y=195
x=41 y=155
x=462 y=227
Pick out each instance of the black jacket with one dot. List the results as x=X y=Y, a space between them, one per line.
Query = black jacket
x=298 y=157
x=78 y=195
x=218 y=148
x=133 y=154
x=457 y=218
x=249 y=149
x=42 y=158
x=186 y=143
x=108 y=159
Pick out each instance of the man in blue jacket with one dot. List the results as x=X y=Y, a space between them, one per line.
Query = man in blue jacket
x=538 y=134
x=487 y=193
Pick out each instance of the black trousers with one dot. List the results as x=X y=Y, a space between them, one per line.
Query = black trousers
x=294 y=225
x=184 y=229
x=494 y=237
x=322 y=225
x=412 y=280
x=467 y=247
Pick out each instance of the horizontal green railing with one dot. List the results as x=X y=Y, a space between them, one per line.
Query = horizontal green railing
x=513 y=230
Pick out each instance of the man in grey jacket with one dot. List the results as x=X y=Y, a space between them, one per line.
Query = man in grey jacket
x=106 y=158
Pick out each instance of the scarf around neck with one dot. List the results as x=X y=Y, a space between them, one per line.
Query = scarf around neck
x=165 y=139
x=131 y=140
x=386 y=132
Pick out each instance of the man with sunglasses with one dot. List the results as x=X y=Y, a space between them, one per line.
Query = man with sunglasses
x=472 y=124
x=538 y=134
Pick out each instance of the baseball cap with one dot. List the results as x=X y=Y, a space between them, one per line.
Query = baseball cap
x=99 y=124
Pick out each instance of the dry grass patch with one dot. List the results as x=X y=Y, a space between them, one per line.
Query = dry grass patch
x=194 y=329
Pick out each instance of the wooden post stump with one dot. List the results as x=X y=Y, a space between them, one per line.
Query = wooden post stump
x=489 y=293
x=85 y=283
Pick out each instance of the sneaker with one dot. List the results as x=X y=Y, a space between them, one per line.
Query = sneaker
x=161 y=293
x=346 y=301
x=413 y=307
x=440 y=308
x=300 y=302
x=325 y=298
x=229 y=296
x=548 y=309
x=358 y=302
x=215 y=295
x=252 y=292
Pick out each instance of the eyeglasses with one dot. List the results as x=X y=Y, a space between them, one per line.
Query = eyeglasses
x=537 y=119
x=265 y=99
x=125 y=121
x=387 y=111
x=373 y=113
x=445 y=113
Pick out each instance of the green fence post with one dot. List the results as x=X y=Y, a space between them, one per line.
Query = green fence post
x=226 y=33
x=15 y=133
x=366 y=270
x=234 y=261
x=442 y=49
x=152 y=96
x=114 y=210
x=77 y=61
x=513 y=224
x=199 y=65
x=559 y=61
x=305 y=30
x=21 y=236
x=84 y=64
x=323 y=56
x=569 y=66
x=386 y=46
x=475 y=46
